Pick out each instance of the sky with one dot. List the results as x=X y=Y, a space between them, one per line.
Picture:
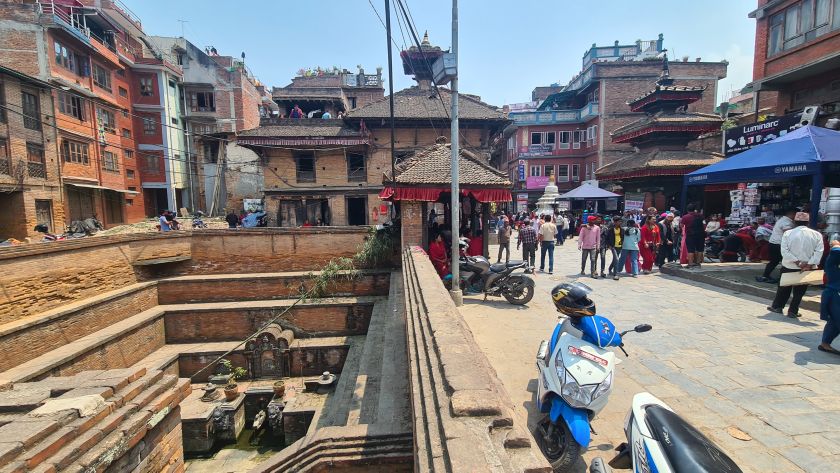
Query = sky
x=506 y=48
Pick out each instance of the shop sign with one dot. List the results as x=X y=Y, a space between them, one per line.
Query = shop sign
x=634 y=201
x=522 y=197
x=521 y=170
x=536 y=182
x=536 y=150
x=562 y=205
x=744 y=137
x=253 y=205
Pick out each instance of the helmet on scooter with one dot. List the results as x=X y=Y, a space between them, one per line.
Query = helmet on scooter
x=572 y=299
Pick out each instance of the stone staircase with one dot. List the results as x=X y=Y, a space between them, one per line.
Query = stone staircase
x=367 y=419
x=85 y=422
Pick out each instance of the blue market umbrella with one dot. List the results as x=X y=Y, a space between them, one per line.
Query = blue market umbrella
x=801 y=152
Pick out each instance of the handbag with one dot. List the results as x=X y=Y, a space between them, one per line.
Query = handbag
x=802 y=278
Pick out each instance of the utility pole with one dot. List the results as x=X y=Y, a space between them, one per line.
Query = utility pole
x=391 y=95
x=455 y=204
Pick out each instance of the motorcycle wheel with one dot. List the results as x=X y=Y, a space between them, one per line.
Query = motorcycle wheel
x=559 y=448
x=522 y=294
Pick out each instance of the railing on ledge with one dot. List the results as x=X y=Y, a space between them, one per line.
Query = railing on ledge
x=6 y=166
x=549 y=117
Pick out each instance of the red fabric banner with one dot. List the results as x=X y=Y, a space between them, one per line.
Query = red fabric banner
x=432 y=194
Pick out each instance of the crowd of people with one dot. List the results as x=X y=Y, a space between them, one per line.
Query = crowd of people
x=637 y=241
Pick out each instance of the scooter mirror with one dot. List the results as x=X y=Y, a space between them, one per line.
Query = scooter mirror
x=642 y=328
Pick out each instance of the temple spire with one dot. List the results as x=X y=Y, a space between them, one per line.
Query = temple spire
x=665 y=76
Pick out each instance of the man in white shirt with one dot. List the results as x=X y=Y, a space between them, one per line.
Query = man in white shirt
x=782 y=225
x=802 y=250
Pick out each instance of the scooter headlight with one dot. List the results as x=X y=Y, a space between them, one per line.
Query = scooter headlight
x=577 y=395
x=603 y=387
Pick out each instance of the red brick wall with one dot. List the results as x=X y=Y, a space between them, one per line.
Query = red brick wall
x=39 y=278
x=224 y=290
x=161 y=450
x=36 y=340
x=18 y=47
x=121 y=352
x=238 y=324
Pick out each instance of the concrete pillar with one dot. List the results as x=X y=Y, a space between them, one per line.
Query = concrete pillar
x=411 y=213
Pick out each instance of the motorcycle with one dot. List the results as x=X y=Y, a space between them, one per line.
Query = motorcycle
x=575 y=380
x=197 y=221
x=660 y=440
x=478 y=275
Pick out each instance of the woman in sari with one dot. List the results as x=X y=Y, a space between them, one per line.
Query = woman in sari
x=437 y=253
x=649 y=245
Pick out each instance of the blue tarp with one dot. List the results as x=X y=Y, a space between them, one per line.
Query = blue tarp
x=801 y=152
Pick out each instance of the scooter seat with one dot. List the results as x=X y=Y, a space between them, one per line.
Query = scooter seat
x=687 y=450
x=498 y=267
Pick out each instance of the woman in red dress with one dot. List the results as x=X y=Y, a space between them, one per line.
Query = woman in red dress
x=649 y=245
x=437 y=253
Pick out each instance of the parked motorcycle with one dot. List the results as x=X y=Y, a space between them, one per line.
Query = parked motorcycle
x=660 y=440
x=197 y=221
x=478 y=275
x=575 y=378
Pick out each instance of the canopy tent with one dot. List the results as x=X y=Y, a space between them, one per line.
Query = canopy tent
x=588 y=192
x=806 y=151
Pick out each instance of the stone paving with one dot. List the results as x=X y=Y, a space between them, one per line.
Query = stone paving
x=717 y=357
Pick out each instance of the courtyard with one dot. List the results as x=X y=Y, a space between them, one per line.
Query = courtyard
x=751 y=380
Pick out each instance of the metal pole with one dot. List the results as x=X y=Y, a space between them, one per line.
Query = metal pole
x=455 y=205
x=391 y=94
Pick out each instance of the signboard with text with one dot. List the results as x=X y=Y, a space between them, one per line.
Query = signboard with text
x=744 y=137
x=536 y=182
x=634 y=201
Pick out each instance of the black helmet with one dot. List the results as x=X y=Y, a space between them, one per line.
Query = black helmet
x=572 y=299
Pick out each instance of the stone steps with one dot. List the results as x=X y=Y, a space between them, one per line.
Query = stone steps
x=331 y=446
x=84 y=422
x=169 y=317
x=34 y=335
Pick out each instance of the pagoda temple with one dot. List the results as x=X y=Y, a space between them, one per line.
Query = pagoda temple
x=661 y=140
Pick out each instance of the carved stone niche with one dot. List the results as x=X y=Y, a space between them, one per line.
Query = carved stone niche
x=268 y=353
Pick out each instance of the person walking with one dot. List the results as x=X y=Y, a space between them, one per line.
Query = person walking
x=630 y=247
x=589 y=242
x=560 y=223
x=610 y=243
x=649 y=246
x=547 y=235
x=571 y=226
x=802 y=250
x=666 y=232
x=504 y=240
x=528 y=240
x=830 y=301
x=694 y=235
x=783 y=224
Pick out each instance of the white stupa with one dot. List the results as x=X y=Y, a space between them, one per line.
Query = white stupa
x=545 y=206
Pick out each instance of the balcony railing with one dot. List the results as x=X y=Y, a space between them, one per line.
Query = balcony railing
x=37 y=170
x=549 y=117
x=357 y=175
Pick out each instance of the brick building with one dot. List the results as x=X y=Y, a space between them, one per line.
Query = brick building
x=421 y=116
x=569 y=132
x=74 y=49
x=30 y=188
x=797 y=56
x=318 y=91
x=221 y=97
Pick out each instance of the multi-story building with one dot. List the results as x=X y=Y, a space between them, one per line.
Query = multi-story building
x=568 y=134
x=333 y=90
x=318 y=170
x=797 y=56
x=30 y=189
x=220 y=98
x=74 y=48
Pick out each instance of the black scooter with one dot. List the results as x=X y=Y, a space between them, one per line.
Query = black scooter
x=478 y=275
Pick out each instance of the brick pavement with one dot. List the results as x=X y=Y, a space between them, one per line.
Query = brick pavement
x=716 y=356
